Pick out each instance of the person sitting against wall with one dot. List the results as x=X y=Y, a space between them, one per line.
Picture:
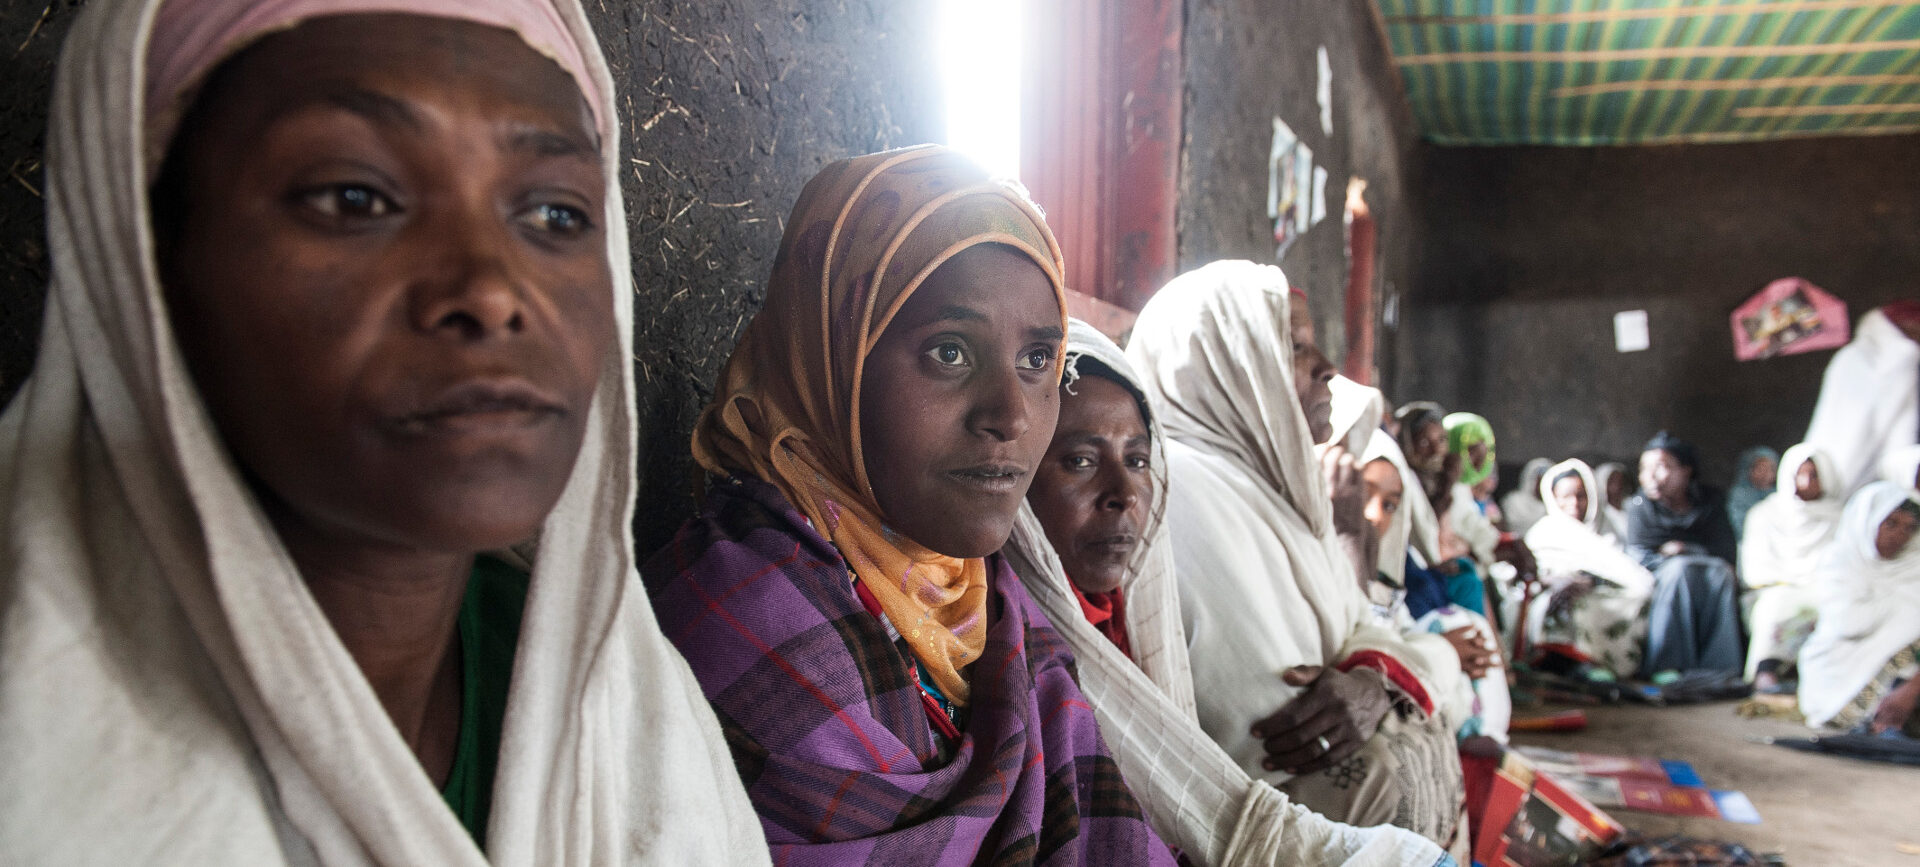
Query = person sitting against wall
x=1787 y=535
x=1291 y=675
x=1677 y=528
x=1470 y=439
x=1091 y=548
x=1522 y=505
x=1414 y=600
x=1616 y=482
x=1860 y=671
x=1755 y=479
x=1420 y=429
x=1592 y=596
x=889 y=690
x=1870 y=395
x=371 y=324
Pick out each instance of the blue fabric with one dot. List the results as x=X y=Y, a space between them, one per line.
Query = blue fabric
x=1694 y=619
x=1426 y=590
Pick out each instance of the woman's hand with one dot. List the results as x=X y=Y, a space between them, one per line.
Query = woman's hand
x=1476 y=656
x=1327 y=722
x=1347 y=488
x=1896 y=708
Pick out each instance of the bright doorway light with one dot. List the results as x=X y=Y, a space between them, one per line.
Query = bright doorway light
x=980 y=63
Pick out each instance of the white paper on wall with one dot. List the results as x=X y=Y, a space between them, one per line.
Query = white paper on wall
x=1319 y=196
x=1630 y=331
x=1325 y=93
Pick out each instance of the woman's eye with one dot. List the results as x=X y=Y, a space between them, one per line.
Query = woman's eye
x=1078 y=462
x=1139 y=463
x=349 y=201
x=948 y=354
x=561 y=220
x=1036 y=359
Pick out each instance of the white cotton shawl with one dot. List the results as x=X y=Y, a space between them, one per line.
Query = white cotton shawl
x=1393 y=543
x=1473 y=528
x=1869 y=402
x=1901 y=465
x=1266 y=582
x=170 y=693
x=1786 y=536
x=1193 y=793
x=1613 y=521
x=1564 y=543
x=1869 y=607
x=1356 y=412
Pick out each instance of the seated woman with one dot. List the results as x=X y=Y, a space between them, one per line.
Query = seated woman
x=1859 y=670
x=1522 y=505
x=890 y=693
x=1755 y=480
x=1595 y=595
x=1291 y=675
x=1869 y=395
x=1092 y=532
x=1616 y=484
x=1470 y=439
x=249 y=484
x=1788 y=533
x=1414 y=600
x=1677 y=528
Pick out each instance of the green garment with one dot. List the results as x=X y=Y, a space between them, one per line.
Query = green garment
x=1464 y=430
x=489 y=631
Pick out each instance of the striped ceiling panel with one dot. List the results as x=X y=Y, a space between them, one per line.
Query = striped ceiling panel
x=1621 y=72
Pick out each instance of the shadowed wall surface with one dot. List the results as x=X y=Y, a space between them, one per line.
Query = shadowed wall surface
x=727 y=108
x=1249 y=61
x=1530 y=251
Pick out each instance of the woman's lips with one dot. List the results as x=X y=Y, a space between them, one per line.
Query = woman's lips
x=1118 y=544
x=992 y=478
x=479 y=407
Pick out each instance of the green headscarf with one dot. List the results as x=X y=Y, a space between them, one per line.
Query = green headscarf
x=1464 y=429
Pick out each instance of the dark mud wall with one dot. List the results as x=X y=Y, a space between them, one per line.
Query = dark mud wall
x=728 y=107
x=1530 y=252
x=1249 y=61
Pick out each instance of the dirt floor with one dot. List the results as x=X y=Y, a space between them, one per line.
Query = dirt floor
x=1816 y=810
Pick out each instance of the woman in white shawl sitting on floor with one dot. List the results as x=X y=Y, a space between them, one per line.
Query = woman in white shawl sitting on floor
x=1091 y=548
x=1595 y=594
x=377 y=323
x=1787 y=535
x=1859 y=670
x=1292 y=676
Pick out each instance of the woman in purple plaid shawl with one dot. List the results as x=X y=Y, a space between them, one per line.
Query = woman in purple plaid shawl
x=890 y=692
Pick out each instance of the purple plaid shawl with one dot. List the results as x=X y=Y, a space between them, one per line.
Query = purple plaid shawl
x=828 y=731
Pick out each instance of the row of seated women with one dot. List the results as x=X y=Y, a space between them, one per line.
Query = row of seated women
x=317 y=504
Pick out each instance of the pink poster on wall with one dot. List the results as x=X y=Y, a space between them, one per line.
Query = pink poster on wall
x=1789 y=316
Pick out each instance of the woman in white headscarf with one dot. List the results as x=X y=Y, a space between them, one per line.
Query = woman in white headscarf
x=1268 y=588
x=1596 y=597
x=1616 y=485
x=1788 y=533
x=270 y=426
x=1859 y=668
x=1197 y=798
x=1870 y=395
x=1522 y=506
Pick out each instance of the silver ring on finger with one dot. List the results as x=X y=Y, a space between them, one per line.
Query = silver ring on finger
x=1325 y=747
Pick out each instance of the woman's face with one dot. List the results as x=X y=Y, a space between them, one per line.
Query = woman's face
x=387 y=272
x=959 y=401
x=1312 y=373
x=1570 y=496
x=1762 y=473
x=1094 y=488
x=1662 y=477
x=1384 y=493
x=1477 y=454
x=1806 y=482
x=1429 y=446
x=1895 y=532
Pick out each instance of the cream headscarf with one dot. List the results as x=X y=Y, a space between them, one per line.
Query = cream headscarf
x=170 y=692
x=864 y=235
x=1787 y=535
x=1195 y=796
x=1901 y=465
x=1870 y=607
x=1869 y=401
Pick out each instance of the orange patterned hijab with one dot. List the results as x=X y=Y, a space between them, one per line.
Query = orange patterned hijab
x=865 y=234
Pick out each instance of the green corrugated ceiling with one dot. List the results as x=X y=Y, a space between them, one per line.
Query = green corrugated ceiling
x=1621 y=72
